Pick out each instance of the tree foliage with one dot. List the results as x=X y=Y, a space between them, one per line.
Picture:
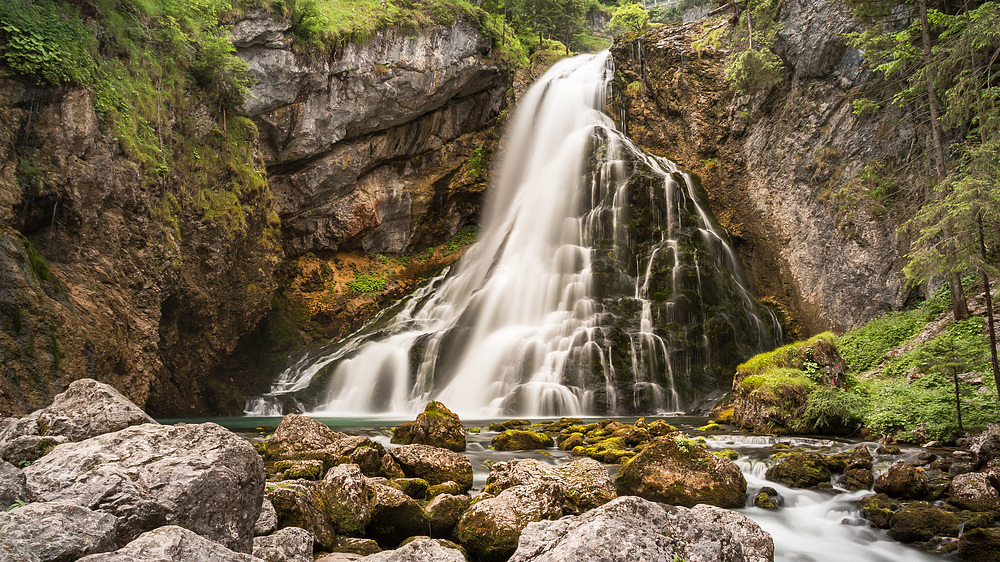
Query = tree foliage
x=628 y=18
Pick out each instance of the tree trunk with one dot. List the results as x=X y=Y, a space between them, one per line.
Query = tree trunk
x=959 y=308
x=958 y=398
x=989 y=310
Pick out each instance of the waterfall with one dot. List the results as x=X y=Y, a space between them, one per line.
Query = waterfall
x=600 y=285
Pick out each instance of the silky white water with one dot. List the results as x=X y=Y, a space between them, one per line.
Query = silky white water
x=516 y=328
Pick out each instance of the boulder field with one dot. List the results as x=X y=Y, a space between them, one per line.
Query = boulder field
x=91 y=477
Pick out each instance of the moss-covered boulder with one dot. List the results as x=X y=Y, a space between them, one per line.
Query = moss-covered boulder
x=395 y=516
x=902 y=480
x=449 y=487
x=771 y=391
x=800 y=470
x=980 y=545
x=300 y=469
x=584 y=484
x=296 y=506
x=857 y=479
x=444 y=512
x=416 y=488
x=355 y=545
x=434 y=464
x=679 y=471
x=878 y=509
x=921 y=524
x=521 y=440
x=490 y=529
x=768 y=498
x=344 y=498
x=436 y=426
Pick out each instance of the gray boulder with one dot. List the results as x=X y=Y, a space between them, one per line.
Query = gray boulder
x=420 y=550
x=629 y=529
x=434 y=464
x=267 y=523
x=171 y=544
x=26 y=449
x=444 y=511
x=86 y=409
x=758 y=546
x=986 y=445
x=291 y=544
x=974 y=492
x=201 y=477
x=585 y=484
x=489 y=530
x=301 y=438
x=12 y=485
x=58 y=531
x=16 y=551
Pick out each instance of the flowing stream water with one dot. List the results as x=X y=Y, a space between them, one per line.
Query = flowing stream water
x=600 y=285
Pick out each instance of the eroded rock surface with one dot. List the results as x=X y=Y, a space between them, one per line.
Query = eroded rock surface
x=59 y=531
x=201 y=477
x=171 y=544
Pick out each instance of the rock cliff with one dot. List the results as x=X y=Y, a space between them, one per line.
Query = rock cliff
x=149 y=283
x=784 y=167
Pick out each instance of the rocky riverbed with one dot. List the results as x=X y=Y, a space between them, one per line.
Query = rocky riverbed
x=92 y=477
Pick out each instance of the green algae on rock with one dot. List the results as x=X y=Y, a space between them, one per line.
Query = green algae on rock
x=436 y=426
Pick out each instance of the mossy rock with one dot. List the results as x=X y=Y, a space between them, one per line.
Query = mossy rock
x=444 y=512
x=711 y=427
x=660 y=427
x=800 y=470
x=354 y=545
x=727 y=454
x=450 y=487
x=416 y=488
x=569 y=442
x=294 y=470
x=436 y=426
x=878 y=510
x=678 y=471
x=764 y=501
x=921 y=524
x=520 y=440
x=980 y=545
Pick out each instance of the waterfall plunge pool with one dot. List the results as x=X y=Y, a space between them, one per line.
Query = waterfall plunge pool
x=813 y=526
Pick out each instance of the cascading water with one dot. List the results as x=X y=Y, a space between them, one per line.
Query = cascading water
x=599 y=285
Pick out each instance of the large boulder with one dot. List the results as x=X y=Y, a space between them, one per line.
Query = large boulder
x=489 y=530
x=291 y=544
x=902 y=480
x=974 y=492
x=201 y=477
x=394 y=516
x=420 y=550
x=629 y=529
x=800 y=470
x=345 y=499
x=171 y=544
x=584 y=483
x=921 y=524
x=59 y=531
x=296 y=504
x=434 y=464
x=16 y=551
x=444 y=512
x=678 y=471
x=436 y=426
x=986 y=445
x=979 y=545
x=758 y=546
x=26 y=449
x=86 y=409
x=13 y=486
x=301 y=438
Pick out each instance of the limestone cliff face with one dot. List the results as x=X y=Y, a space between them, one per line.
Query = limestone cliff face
x=774 y=163
x=363 y=150
x=92 y=284
x=361 y=145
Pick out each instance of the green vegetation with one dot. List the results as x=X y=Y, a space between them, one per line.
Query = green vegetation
x=670 y=13
x=753 y=65
x=628 y=18
x=367 y=282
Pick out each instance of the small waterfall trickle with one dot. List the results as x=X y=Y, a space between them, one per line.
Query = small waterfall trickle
x=599 y=285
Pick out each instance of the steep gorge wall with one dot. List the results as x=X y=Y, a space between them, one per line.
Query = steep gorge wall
x=773 y=162
x=361 y=149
